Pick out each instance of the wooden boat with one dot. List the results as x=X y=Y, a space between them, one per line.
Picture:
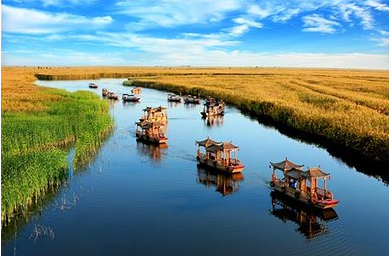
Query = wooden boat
x=104 y=92
x=151 y=132
x=113 y=96
x=136 y=90
x=130 y=98
x=213 y=107
x=173 y=98
x=191 y=100
x=217 y=155
x=93 y=86
x=311 y=221
x=295 y=184
x=158 y=114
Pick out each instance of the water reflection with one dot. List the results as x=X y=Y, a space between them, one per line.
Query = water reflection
x=155 y=152
x=225 y=184
x=311 y=222
x=172 y=104
x=213 y=120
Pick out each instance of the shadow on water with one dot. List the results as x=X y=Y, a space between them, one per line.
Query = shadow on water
x=225 y=184
x=352 y=158
x=311 y=221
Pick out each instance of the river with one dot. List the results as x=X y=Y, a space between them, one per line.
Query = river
x=136 y=199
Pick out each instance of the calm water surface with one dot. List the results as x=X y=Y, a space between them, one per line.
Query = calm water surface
x=135 y=199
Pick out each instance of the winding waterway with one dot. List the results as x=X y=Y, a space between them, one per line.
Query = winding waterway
x=135 y=199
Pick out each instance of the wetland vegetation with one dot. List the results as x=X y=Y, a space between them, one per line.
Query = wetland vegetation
x=38 y=125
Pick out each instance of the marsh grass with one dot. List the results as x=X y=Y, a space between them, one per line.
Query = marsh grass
x=33 y=152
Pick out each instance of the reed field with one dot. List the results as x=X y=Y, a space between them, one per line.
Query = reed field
x=37 y=126
x=344 y=107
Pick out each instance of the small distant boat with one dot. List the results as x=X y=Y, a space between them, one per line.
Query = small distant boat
x=93 y=86
x=130 y=98
x=173 y=98
x=104 y=92
x=217 y=155
x=136 y=90
x=191 y=100
x=295 y=184
x=213 y=107
x=113 y=96
x=151 y=132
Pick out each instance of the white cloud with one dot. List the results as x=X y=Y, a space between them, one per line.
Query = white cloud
x=29 y=21
x=377 y=5
x=317 y=23
x=352 y=10
x=207 y=58
x=170 y=13
x=243 y=26
x=57 y=3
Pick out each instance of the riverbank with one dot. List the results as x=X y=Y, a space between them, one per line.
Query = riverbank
x=38 y=126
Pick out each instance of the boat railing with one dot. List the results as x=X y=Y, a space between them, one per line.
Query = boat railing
x=234 y=161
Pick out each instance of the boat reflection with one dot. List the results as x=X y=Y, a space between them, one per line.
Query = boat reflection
x=311 y=221
x=155 y=152
x=172 y=104
x=216 y=120
x=225 y=184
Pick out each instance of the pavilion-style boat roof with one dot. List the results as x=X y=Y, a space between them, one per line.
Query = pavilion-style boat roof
x=315 y=172
x=207 y=142
x=295 y=174
x=286 y=165
x=298 y=174
x=157 y=109
x=221 y=147
x=213 y=146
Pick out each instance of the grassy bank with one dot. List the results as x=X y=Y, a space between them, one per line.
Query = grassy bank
x=37 y=124
x=349 y=108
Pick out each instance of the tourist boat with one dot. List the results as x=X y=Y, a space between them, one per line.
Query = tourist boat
x=158 y=114
x=213 y=107
x=295 y=184
x=130 y=98
x=191 y=100
x=136 y=90
x=217 y=155
x=104 y=92
x=311 y=221
x=151 y=132
x=173 y=98
x=93 y=86
x=113 y=96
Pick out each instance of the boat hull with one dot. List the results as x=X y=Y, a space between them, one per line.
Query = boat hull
x=148 y=139
x=216 y=166
x=298 y=196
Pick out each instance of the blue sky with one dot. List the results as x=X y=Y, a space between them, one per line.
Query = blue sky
x=294 y=33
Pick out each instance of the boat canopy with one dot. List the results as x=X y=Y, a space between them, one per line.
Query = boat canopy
x=207 y=143
x=295 y=174
x=286 y=165
x=315 y=172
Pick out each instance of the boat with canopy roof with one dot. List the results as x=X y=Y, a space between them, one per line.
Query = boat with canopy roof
x=218 y=155
x=303 y=185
